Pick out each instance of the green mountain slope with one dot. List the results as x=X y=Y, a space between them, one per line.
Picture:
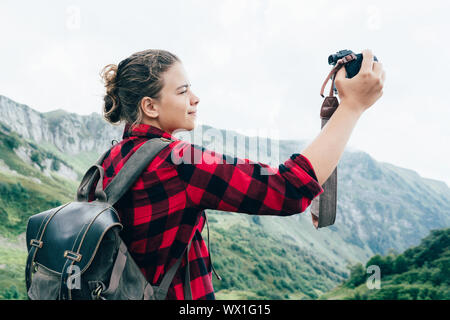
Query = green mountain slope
x=26 y=188
x=254 y=264
x=381 y=207
x=421 y=272
x=30 y=182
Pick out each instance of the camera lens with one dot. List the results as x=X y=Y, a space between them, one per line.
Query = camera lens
x=332 y=59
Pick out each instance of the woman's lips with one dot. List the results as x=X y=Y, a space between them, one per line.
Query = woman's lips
x=193 y=113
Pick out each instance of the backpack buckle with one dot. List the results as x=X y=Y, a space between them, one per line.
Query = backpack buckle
x=97 y=292
x=72 y=255
x=36 y=243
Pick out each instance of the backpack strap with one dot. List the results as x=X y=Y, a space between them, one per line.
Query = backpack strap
x=120 y=184
x=133 y=168
x=187 y=278
x=94 y=173
x=126 y=177
x=36 y=244
x=123 y=181
x=209 y=250
x=163 y=288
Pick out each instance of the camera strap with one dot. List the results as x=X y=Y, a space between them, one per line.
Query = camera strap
x=323 y=207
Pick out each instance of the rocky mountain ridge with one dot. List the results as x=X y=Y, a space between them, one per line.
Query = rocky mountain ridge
x=380 y=206
x=68 y=132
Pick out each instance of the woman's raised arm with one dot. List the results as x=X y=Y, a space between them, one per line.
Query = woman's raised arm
x=240 y=185
x=356 y=95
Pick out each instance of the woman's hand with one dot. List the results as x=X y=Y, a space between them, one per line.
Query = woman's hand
x=356 y=95
x=364 y=89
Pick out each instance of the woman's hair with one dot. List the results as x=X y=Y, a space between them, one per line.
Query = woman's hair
x=138 y=76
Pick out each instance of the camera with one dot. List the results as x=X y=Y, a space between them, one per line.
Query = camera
x=352 y=68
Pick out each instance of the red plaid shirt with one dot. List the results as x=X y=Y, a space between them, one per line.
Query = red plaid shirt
x=164 y=209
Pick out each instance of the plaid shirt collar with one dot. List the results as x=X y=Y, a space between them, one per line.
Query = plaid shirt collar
x=146 y=131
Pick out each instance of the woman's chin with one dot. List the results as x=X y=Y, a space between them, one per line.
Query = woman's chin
x=190 y=125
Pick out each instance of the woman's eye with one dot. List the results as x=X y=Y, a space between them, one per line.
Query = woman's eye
x=183 y=92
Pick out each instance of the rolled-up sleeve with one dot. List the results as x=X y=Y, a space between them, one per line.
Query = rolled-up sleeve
x=225 y=183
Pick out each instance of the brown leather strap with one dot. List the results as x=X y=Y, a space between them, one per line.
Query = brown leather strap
x=329 y=106
x=339 y=64
x=323 y=207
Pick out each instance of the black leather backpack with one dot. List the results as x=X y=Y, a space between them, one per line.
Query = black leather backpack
x=75 y=250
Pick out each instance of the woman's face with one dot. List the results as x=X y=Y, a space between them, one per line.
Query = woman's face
x=176 y=108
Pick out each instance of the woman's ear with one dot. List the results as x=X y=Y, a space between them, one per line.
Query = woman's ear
x=149 y=108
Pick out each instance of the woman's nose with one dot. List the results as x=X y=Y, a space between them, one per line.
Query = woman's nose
x=195 y=100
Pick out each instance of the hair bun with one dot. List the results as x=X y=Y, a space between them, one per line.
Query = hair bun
x=112 y=107
x=138 y=76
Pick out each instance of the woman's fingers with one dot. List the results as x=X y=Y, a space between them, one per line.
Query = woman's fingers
x=377 y=68
x=366 y=65
x=378 y=71
x=340 y=75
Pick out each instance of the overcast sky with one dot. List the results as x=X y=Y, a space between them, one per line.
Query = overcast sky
x=257 y=66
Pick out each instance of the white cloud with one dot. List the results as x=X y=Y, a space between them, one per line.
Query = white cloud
x=254 y=64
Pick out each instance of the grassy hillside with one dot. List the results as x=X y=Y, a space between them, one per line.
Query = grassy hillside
x=279 y=268
x=421 y=272
x=252 y=263
x=12 y=271
x=256 y=265
x=24 y=187
x=380 y=207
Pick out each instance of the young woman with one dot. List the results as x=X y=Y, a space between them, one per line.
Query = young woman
x=164 y=210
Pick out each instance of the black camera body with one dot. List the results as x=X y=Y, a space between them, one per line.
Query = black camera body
x=352 y=68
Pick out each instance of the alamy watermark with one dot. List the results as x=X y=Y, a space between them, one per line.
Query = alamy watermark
x=374 y=18
x=73 y=18
x=74 y=279
x=374 y=281
x=214 y=146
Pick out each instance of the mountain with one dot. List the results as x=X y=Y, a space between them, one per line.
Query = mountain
x=419 y=273
x=381 y=207
x=67 y=132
